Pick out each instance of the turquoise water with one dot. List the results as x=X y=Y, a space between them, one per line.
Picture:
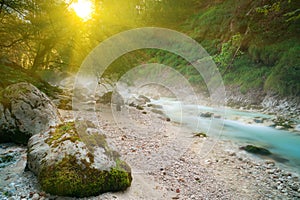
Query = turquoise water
x=284 y=145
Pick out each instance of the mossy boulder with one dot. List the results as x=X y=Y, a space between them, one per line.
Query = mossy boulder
x=76 y=165
x=256 y=150
x=25 y=111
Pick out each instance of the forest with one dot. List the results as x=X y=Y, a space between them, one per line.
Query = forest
x=255 y=44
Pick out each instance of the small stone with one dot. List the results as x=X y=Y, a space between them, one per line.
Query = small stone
x=177 y=190
x=270 y=162
x=270 y=171
x=35 y=196
x=279 y=187
x=207 y=162
x=294 y=187
x=31 y=194
x=275 y=176
x=232 y=154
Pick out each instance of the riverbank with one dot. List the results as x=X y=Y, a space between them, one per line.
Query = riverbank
x=169 y=163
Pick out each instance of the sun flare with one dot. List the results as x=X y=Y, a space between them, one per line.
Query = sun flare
x=83 y=8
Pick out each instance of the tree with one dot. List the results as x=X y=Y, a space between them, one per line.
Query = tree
x=34 y=32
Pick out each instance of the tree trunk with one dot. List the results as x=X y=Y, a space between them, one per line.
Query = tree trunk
x=40 y=57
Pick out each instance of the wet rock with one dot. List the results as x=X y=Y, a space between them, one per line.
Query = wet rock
x=258 y=120
x=297 y=127
x=76 y=161
x=256 y=150
x=199 y=135
x=25 y=111
x=206 y=114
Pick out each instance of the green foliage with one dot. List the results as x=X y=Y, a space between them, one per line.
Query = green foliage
x=293 y=15
x=48 y=35
x=285 y=77
x=264 y=54
x=230 y=50
x=275 y=7
x=246 y=74
x=13 y=74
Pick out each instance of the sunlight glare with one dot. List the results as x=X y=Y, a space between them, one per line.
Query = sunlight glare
x=83 y=9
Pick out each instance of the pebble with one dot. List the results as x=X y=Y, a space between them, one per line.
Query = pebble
x=271 y=171
x=207 y=162
x=294 y=187
x=35 y=196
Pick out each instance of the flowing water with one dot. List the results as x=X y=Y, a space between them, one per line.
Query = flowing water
x=284 y=145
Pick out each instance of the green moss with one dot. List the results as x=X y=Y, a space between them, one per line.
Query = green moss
x=56 y=136
x=256 y=150
x=93 y=140
x=68 y=178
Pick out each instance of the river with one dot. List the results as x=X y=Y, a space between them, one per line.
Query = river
x=234 y=125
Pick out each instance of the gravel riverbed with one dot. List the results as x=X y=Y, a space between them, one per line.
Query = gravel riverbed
x=167 y=163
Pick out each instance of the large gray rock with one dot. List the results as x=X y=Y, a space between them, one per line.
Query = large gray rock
x=25 y=111
x=76 y=165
